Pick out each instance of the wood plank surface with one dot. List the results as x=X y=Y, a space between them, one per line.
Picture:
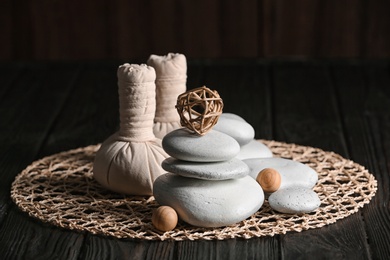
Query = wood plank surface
x=361 y=91
x=314 y=120
x=23 y=237
x=365 y=101
x=28 y=110
x=306 y=119
x=340 y=106
x=91 y=113
x=107 y=30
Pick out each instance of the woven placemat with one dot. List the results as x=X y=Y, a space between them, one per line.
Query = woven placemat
x=60 y=190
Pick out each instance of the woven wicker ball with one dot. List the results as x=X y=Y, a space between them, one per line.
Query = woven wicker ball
x=199 y=109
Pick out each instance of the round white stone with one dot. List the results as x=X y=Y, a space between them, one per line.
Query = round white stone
x=237 y=128
x=292 y=173
x=254 y=149
x=214 y=146
x=294 y=200
x=231 y=169
x=205 y=203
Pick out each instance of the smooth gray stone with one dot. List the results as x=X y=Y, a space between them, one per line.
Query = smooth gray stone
x=232 y=116
x=214 y=146
x=204 y=203
x=224 y=170
x=292 y=173
x=294 y=200
x=237 y=128
x=254 y=149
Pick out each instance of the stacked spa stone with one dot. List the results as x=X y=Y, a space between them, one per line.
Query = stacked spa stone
x=236 y=127
x=295 y=193
x=205 y=184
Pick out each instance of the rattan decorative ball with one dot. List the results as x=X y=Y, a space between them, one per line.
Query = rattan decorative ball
x=199 y=109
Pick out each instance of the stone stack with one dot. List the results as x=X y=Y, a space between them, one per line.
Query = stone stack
x=244 y=134
x=205 y=183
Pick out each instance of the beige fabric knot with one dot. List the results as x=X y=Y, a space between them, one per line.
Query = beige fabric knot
x=171 y=76
x=137 y=102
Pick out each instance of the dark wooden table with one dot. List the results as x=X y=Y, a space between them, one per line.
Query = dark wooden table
x=340 y=106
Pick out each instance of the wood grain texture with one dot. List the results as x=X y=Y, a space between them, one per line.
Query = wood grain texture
x=26 y=117
x=229 y=249
x=198 y=28
x=340 y=29
x=378 y=26
x=90 y=115
x=308 y=120
x=97 y=247
x=365 y=102
x=25 y=238
x=6 y=30
x=331 y=29
x=119 y=29
x=63 y=30
x=293 y=28
x=377 y=112
x=129 y=29
x=343 y=240
x=28 y=110
x=8 y=76
x=340 y=106
x=238 y=26
x=315 y=119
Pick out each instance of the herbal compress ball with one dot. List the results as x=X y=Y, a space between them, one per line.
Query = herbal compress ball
x=130 y=160
x=171 y=76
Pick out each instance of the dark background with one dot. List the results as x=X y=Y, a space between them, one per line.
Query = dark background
x=122 y=29
x=319 y=100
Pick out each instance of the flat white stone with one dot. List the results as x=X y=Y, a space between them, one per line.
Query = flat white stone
x=205 y=203
x=224 y=170
x=214 y=146
x=237 y=128
x=292 y=173
x=254 y=149
x=294 y=200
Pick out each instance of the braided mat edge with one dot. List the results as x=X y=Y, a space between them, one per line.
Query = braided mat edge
x=60 y=190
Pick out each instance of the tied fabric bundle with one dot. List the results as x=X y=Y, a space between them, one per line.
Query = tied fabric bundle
x=130 y=160
x=171 y=76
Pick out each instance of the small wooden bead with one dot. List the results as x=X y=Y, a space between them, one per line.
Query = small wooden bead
x=164 y=218
x=269 y=179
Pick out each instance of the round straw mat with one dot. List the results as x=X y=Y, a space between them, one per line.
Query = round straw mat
x=60 y=190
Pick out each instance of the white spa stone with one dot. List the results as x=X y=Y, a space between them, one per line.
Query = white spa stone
x=236 y=127
x=206 y=203
x=254 y=149
x=211 y=147
x=294 y=200
x=232 y=116
x=292 y=173
x=231 y=169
